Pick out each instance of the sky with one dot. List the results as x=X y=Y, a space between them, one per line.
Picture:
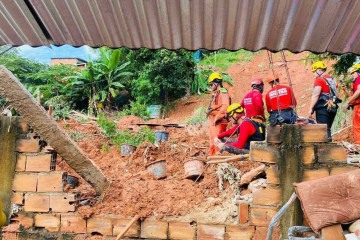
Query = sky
x=44 y=54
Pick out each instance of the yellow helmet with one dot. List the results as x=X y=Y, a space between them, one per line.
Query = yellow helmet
x=234 y=108
x=214 y=76
x=354 y=68
x=317 y=65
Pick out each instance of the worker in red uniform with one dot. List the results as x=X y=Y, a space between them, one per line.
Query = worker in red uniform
x=220 y=100
x=280 y=102
x=354 y=101
x=324 y=97
x=247 y=130
x=253 y=102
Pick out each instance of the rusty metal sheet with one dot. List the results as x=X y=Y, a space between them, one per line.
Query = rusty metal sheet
x=18 y=26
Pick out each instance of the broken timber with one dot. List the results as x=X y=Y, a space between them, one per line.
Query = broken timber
x=36 y=116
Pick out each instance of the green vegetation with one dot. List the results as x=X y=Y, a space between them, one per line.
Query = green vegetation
x=135 y=109
x=77 y=136
x=198 y=116
x=223 y=59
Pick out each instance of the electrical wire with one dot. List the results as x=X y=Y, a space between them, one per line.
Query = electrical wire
x=289 y=79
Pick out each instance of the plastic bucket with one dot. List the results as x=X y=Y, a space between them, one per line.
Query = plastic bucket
x=157 y=169
x=193 y=169
x=161 y=136
x=127 y=149
x=154 y=111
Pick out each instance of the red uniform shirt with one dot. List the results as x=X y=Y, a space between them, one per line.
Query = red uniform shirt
x=253 y=104
x=246 y=130
x=355 y=86
x=319 y=81
x=280 y=97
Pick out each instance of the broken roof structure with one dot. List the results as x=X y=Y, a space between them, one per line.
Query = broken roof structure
x=316 y=25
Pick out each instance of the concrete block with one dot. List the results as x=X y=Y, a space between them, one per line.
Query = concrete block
x=211 y=232
x=243 y=212
x=182 y=231
x=331 y=153
x=314 y=133
x=38 y=163
x=260 y=233
x=273 y=134
x=50 y=222
x=261 y=216
x=51 y=182
x=37 y=202
x=27 y=146
x=272 y=175
x=120 y=224
x=239 y=233
x=312 y=174
x=270 y=196
x=307 y=154
x=154 y=229
x=73 y=223
x=100 y=224
x=25 y=182
x=17 y=198
x=340 y=170
x=261 y=152
x=62 y=203
x=20 y=163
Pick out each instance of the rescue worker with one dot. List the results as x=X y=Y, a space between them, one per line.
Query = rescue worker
x=354 y=101
x=217 y=109
x=253 y=102
x=247 y=130
x=324 y=97
x=280 y=102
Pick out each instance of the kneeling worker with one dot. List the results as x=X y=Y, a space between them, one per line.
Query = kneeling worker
x=247 y=129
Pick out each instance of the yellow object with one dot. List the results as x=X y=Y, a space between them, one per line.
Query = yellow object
x=213 y=76
x=2 y=214
x=234 y=108
x=317 y=65
x=354 y=68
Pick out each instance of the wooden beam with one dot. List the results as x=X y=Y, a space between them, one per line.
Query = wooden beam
x=36 y=116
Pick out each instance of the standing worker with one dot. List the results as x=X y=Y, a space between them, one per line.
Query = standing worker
x=220 y=100
x=280 y=102
x=253 y=102
x=354 y=101
x=324 y=97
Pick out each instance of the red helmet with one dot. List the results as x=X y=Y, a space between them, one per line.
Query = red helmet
x=257 y=81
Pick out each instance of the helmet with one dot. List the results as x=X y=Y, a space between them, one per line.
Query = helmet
x=257 y=81
x=214 y=76
x=354 y=68
x=272 y=78
x=319 y=64
x=234 y=108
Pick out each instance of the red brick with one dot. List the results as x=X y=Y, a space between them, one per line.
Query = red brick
x=261 y=232
x=25 y=182
x=340 y=170
x=20 y=163
x=51 y=182
x=331 y=153
x=27 y=146
x=307 y=154
x=120 y=224
x=261 y=152
x=268 y=196
x=25 y=220
x=239 y=233
x=73 y=223
x=37 y=202
x=211 y=232
x=182 y=231
x=38 y=163
x=312 y=174
x=261 y=216
x=243 y=212
x=272 y=175
x=99 y=224
x=17 y=198
x=154 y=229
x=50 y=222
x=63 y=203
x=314 y=133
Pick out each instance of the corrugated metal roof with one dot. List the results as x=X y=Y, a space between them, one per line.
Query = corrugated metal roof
x=296 y=25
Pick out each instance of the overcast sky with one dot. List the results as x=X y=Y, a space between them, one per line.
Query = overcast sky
x=44 y=54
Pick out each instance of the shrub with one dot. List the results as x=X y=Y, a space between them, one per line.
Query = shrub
x=198 y=116
x=135 y=109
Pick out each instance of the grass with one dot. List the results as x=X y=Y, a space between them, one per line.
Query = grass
x=342 y=119
x=198 y=116
x=223 y=59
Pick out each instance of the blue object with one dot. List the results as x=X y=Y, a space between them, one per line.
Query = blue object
x=154 y=111
x=161 y=136
x=157 y=169
x=196 y=56
x=127 y=149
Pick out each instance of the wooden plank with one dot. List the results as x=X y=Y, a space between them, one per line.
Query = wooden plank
x=34 y=114
x=333 y=232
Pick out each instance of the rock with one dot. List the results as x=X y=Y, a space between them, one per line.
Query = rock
x=252 y=174
x=257 y=184
x=355 y=226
